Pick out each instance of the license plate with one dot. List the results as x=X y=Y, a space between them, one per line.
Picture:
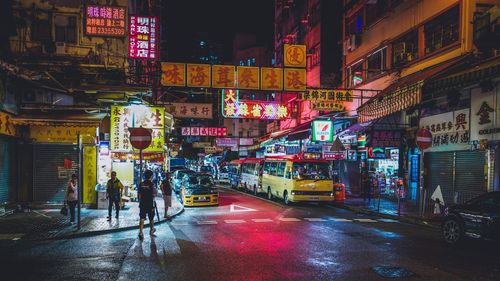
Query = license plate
x=313 y=198
x=202 y=198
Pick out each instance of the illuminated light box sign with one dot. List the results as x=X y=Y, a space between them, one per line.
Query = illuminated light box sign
x=233 y=107
x=204 y=131
x=322 y=130
x=105 y=21
x=143 y=37
x=226 y=142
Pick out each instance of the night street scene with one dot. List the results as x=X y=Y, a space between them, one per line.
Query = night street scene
x=249 y=140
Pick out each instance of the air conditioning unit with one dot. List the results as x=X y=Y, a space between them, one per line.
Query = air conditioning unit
x=61 y=48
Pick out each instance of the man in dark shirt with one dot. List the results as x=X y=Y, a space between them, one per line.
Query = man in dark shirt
x=146 y=194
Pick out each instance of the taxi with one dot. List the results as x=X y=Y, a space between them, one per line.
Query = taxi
x=199 y=190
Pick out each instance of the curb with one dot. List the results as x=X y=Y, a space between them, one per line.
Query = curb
x=107 y=231
x=406 y=219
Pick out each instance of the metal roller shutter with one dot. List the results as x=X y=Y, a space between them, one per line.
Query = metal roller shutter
x=440 y=172
x=50 y=175
x=5 y=180
x=470 y=179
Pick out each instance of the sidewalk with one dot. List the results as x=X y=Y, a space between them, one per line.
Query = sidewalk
x=50 y=224
x=408 y=212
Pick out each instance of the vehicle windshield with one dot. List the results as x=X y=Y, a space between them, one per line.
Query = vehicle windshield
x=311 y=171
x=224 y=169
x=200 y=180
x=205 y=169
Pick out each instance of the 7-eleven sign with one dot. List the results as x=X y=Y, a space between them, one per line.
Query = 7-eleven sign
x=322 y=130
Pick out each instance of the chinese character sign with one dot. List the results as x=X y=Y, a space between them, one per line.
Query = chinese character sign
x=190 y=110
x=327 y=105
x=6 y=125
x=106 y=21
x=484 y=116
x=271 y=78
x=295 y=79
x=143 y=37
x=233 y=107
x=322 y=130
x=327 y=95
x=173 y=74
x=223 y=76
x=204 y=131
x=248 y=77
x=198 y=75
x=125 y=117
x=295 y=55
x=62 y=134
x=449 y=128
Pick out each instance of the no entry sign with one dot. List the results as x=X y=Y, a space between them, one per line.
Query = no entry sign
x=424 y=139
x=140 y=138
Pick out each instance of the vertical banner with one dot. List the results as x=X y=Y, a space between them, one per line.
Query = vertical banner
x=143 y=37
x=223 y=76
x=248 y=77
x=89 y=174
x=295 y=79
x=173 y=74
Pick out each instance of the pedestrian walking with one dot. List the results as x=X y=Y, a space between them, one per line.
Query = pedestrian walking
x=438 y=206
x=114 y=191
x=72 y=196
x=166 y=190
x=146 y=194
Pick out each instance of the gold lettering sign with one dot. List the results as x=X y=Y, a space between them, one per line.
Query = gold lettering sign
x=62 y=134
x=173 y=74
x=271 y=78
x=327 y=95
x=89 y=174
x=248 y=77
x=223 y=76
x=295 y=55
x=295 y=79
x=327 y=105
x=198 y=75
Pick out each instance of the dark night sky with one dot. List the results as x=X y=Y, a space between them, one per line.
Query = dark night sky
x=222 y=19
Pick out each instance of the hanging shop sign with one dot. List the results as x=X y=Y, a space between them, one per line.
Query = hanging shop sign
x=295 y=79
x=62 y=134
x=198 y=144
x=204 y=131
x=386 y=138
x=352 y=155
x=226 y=142
x=485 y=115
x=89 y=174
x=233 y=107
x=311 y=156
x=173 y=74
x=147 y=156
x=329 y=95
x=6 y=126
x=322 y=130
x=134 y=116
x=271 y=79
x=326 y=105
x=448 y=128
x=376 y=153
x=295 y=55
x=105 y=21
x=213 y=149
x=248 y=77
x=190 y=110
x=143 y=37
x=223 y=76
x=104 y=148
x=198 y=75
x=334 y=155
x=246 y=141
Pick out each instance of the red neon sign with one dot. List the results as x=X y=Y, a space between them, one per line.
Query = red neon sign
x=106 y=21
x=143 y=37
x=233 y=107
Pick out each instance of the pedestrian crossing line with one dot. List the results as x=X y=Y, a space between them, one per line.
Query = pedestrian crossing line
x=11 y=236
x=388 y=220
x=262 y=220
x=289 y=219
x=234 y=221
x=341 y=220
x=179 y=223
x=315 y=219
x=206 y=222
x=365 y=220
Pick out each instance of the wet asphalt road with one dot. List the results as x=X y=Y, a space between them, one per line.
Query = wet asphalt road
x=246 y=238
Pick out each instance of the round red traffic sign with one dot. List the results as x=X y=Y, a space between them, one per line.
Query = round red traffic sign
x=140 y=138
x=424 y=139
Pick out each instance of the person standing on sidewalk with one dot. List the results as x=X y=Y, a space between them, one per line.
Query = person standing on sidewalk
x=114 y=190
x=146 y=194
x=166 y=190
x=72 y=196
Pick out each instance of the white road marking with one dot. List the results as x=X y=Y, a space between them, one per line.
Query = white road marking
x=206 y=222
x=314 y=219
x=289 y=219
x=42 y=214
x=234 y=221
x=342 y=220
x=12 y=236
x=388 y=220
x=179 y=223
x=236 y=209
x=262 y=220
x=365 y=220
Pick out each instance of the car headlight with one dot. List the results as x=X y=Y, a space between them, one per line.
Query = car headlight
x=293 y=192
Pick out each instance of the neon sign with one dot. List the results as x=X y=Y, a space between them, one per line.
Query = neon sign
x=322 y=130
x=233 y=107
x=106 y=21
x=143 y=32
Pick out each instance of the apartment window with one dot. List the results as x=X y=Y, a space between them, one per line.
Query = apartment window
x=41 y=30
x=405 y=49
x=441 y=31
x=374 y=11
x=356 y=74
x=65 y=28
x=376 y=63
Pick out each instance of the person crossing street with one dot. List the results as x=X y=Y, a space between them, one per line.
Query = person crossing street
x=146 y=194
x=114 y=191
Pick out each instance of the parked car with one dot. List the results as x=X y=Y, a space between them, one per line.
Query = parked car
x=177 y=178
x=223 y=174
x=199 y=190
x=206 y=170
x=477 y=218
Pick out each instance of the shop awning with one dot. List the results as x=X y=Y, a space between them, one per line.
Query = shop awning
x=60 y=119
x=356 y=128
x=302 y=131
x=404 y=93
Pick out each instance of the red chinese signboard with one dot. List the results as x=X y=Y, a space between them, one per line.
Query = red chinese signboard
x=204 y=131
x=233 y=107
x=106 y=21
x=143 y=37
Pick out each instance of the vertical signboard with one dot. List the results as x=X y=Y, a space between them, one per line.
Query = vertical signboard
x=89 y=174
x=143 y=37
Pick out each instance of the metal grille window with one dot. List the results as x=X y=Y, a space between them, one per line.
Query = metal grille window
x=376 y=63
x=442 y=31
x=405 y=49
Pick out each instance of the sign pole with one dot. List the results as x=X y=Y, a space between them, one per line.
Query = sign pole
x=140 y=166
x=80 y=181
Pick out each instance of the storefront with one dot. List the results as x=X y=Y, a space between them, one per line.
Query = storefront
x=7 y=163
